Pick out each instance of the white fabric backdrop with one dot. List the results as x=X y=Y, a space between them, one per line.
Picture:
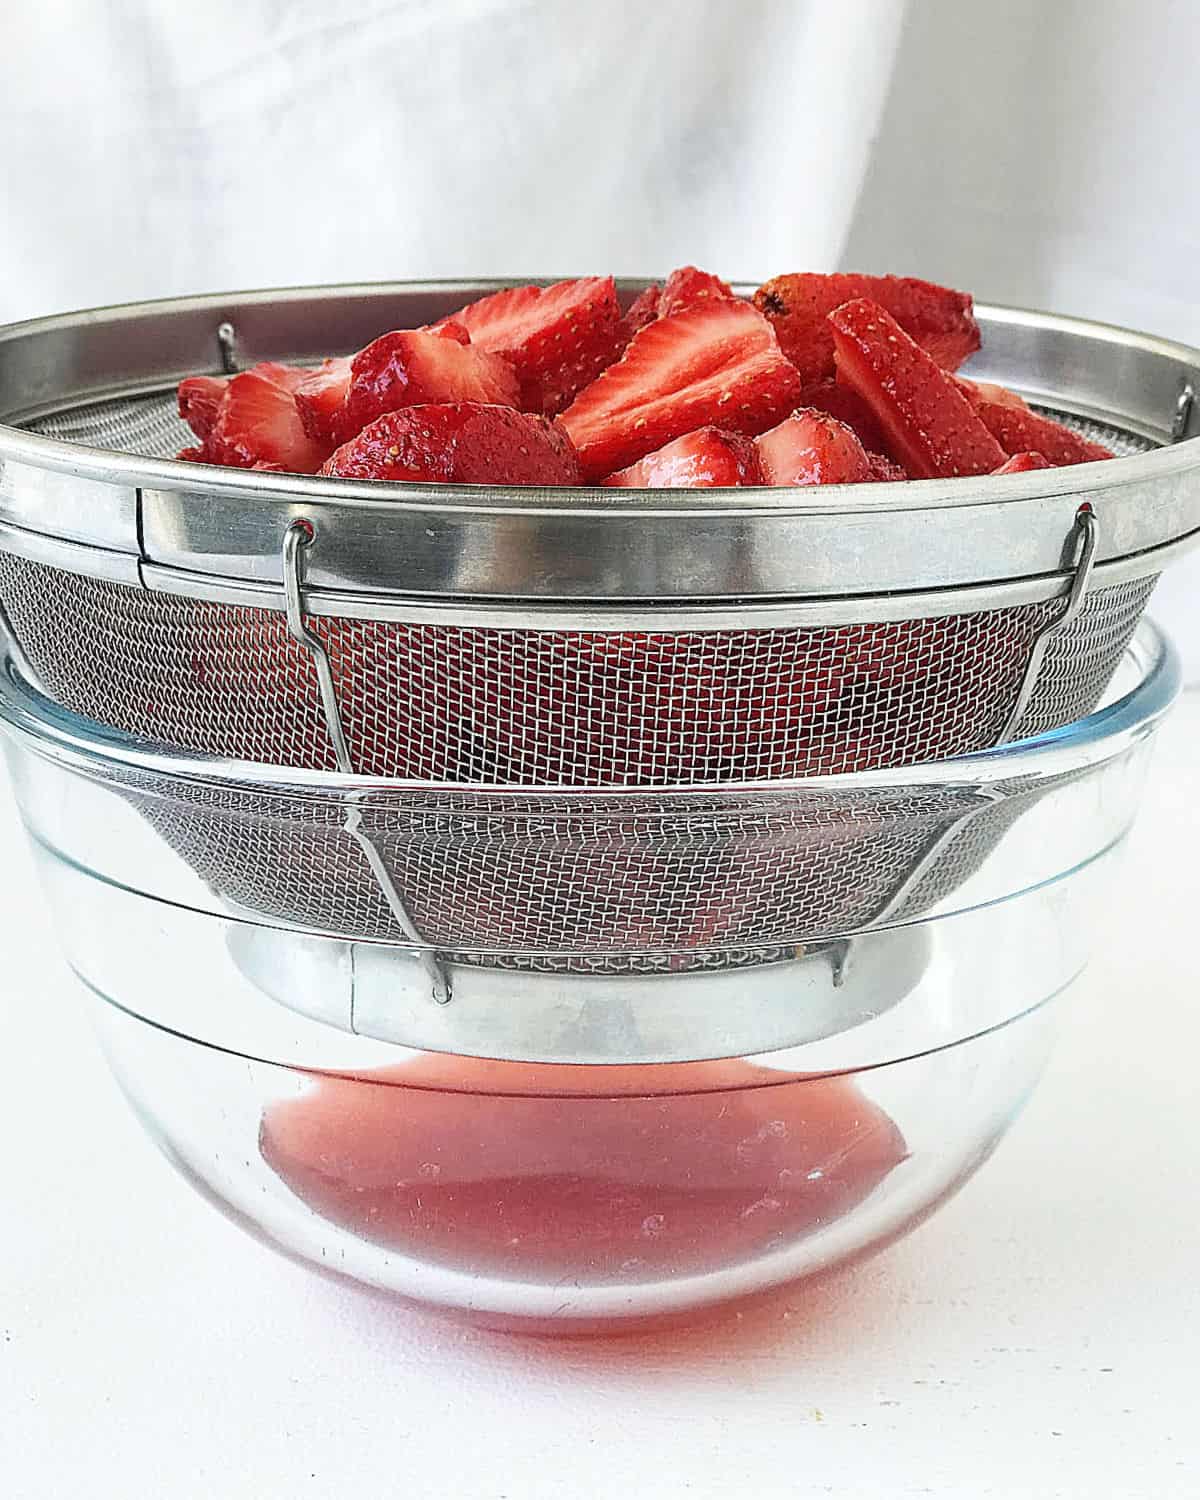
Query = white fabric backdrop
x=1044 y=154
x=152 y=147
x=1030 y=152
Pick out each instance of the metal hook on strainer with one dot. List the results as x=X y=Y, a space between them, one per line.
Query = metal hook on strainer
x=300 y=535
x=1087 y=527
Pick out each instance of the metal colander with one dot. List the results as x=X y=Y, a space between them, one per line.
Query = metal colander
x=582 y=640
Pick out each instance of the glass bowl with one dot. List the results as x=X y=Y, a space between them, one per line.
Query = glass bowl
x=575 y=1060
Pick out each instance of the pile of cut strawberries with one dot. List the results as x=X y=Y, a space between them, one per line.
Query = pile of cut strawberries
x=838 y=379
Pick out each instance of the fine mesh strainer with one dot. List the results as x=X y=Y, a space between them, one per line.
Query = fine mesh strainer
x=573 y=641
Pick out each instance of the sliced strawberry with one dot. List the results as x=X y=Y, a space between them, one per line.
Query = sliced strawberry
x=320 y=397
x=928 y=422
x=461 y=443
x=690 y=287
x=258 y=423
x=837 y=398
x=557 y=338
x=716 y=364
x=704 y=459
x=1021 y=463
x=415 y=367
x=883 y=470
x=643 y=309
x=200 y=398
x=450 y=328
x=811 y=447
x=979 y=391
x=1029 y=432
x=941 y=320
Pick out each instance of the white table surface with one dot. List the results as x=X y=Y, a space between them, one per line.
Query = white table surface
x=1039 y=1337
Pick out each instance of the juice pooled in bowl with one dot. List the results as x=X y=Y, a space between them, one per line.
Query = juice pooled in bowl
x=597 y=1174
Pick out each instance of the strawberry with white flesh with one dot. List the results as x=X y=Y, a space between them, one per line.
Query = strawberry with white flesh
x=715 y=365
x=929 y=424
x=1022 y=463
x=690 y=287
x=557 y=338
x=811 y=447
x=458 y=443
x=700 y=460
x=1024 y=431
x=257 y=424
x=940 y=319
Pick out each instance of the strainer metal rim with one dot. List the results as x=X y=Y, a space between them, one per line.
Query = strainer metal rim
x=102 y=464
x=766 y=613
x=1101 y=736
x=148 y=520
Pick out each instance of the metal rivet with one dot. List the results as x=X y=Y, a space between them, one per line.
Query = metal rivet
x=1183 y=410
x=227 y=347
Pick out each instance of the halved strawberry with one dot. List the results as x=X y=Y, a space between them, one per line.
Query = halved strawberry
x=811 y=447
x=704 y=459
x=716 y=364
x=941 y=320
x=1021 y=463
x=929 y=424
x=1020 y=431
x=416 y=367
x=458 y=443
x=643 y=309
x=258 y=424
x=320 y=397
x=837 y=398
x=979 y=391
x=557 y=338
x=200 y=398
x=690 y=287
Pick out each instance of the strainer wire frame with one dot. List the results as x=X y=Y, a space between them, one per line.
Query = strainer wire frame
x=301 y=534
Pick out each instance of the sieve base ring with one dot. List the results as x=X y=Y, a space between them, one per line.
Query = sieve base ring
x=382 y=992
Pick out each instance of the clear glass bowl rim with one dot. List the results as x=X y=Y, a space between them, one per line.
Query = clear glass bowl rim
x=106 y=754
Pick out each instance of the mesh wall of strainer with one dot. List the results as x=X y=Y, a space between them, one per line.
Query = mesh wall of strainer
x=566 y=708
x=598 y=883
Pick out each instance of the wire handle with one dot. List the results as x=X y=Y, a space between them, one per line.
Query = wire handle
x=1087 y=529
x=300 y=535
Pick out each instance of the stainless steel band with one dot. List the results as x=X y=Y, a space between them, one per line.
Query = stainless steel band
x=119 y=567
x=580 y=546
